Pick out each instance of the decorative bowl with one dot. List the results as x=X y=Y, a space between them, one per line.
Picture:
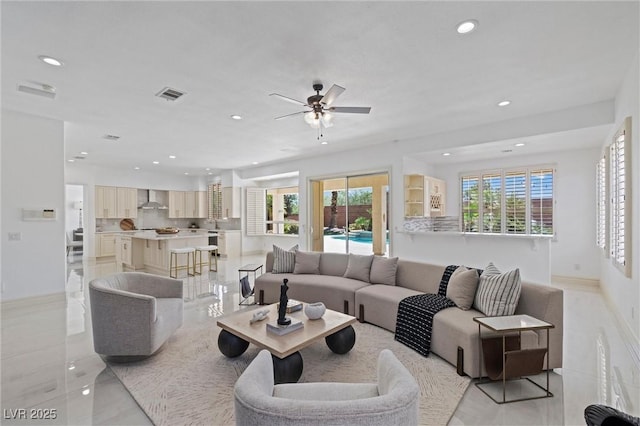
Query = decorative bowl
x=314 y=311
x=165 y=231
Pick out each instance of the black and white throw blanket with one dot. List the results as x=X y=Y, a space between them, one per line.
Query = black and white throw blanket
x=414 y=321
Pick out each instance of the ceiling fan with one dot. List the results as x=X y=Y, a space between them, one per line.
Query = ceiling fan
x=321 y=109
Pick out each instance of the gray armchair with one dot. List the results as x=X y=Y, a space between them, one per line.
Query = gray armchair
x=134 y=313
x=393 y=400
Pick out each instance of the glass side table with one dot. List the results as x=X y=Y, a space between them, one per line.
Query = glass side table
x=244 y=272
x=504 y=359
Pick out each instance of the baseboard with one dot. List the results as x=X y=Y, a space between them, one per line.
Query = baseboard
x=588 y=282
x=630 y=340
x=34 y=300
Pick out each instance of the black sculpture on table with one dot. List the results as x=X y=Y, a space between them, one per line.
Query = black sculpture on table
x=284 y=301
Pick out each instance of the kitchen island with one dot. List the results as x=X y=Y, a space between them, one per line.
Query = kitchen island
x=149 y=251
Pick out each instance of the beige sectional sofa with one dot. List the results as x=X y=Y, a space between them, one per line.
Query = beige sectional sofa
x=455 y=334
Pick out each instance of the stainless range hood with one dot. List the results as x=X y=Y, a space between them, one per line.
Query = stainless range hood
x=152 y=203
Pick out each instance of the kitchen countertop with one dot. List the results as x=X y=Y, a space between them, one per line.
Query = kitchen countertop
x=151 y=235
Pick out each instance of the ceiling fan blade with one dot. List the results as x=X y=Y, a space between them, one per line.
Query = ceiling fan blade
x=332 y=94
x=285 y=98
x=289 y=115
x=351 y=110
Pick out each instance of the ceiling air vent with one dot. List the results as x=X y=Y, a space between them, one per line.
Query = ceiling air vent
x=111 y=137
x=169 y=94
x=44 y=90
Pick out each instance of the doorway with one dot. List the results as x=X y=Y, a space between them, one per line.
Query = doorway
x=349 y=214
x=74 y=222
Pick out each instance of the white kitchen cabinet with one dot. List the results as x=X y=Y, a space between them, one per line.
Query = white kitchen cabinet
x=127 y=202
x=127 y=255
x=176 y=204
x=105 y=245
x=231 y=205
x=229 y=243
x=202 y=208
x=106 y=202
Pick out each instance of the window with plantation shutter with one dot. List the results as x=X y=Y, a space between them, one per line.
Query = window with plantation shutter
x=515 y=200
x=620 y=198
x=541 y=202
x=256 y=211
x=602 y=203
x=492 y=203
x=509 y=201
x=470 y=207
x=214 y=201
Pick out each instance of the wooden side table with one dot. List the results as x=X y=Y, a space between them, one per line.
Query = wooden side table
x=504 y=359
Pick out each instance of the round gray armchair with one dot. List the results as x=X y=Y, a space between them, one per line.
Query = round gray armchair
x=134 y=313
x=393 y=400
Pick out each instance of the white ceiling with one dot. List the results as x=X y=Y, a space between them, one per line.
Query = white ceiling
x=404 y=59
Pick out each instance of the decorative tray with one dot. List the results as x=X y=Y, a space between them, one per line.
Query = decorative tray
x=166 y=231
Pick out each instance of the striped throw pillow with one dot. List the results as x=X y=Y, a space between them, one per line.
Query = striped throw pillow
x=498 y=293
x=284 y=261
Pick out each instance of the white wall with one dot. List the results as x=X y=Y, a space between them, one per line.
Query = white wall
x=624 y=293
x=573 y=251
x=32 y=177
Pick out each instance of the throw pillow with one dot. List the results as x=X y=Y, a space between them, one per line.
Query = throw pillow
x=383 y=270
x=284 y=261
x=307 y=263
x=359 y=267
x=498 y=293
x=462 y=287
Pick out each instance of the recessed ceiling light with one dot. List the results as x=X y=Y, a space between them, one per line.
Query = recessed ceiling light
x=50 y=60
x=519 y=144
x=504 y=103
x=172 y=156
x=254 y=163
x=186 y=173
x=156 y=162
x=208 y=168
x=236 y=117
x=71 y=160
x=136 y=168
x=467 y=26
x=446 y=154
x=209 y=173
x=324 y=143
x=84 y=153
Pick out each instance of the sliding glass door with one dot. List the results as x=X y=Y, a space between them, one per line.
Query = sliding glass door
x=350 y=214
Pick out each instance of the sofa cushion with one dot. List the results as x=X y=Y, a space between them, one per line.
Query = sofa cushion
x=334 y=264
x=284 y=261
x=381 y=303
x=383 y=270
x=307 y=263
x=462 y=287
x=498 y=293
x=359 y=267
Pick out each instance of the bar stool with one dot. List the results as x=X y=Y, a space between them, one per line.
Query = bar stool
x=191 y=261
x=208 y=250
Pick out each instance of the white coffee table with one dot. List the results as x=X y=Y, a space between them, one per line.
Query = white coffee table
x=237 y=332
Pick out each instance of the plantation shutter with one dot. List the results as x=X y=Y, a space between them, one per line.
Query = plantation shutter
x=492 y=203
x=256 y=211
x=214 y=201
x=470 y=206
x=620 y=187
x=541 y=202
x=602 y=204
x=515 y=192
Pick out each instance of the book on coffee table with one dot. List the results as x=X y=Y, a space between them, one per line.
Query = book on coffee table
x=281 y=330
x=293 y=305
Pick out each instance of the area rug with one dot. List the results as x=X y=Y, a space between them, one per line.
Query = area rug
x=191 y=383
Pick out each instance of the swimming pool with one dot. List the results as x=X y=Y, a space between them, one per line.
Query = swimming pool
x=357 y=239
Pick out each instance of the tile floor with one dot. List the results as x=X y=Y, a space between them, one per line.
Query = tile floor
x=48 y=361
